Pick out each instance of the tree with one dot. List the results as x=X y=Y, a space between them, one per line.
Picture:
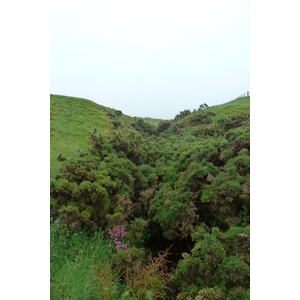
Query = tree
x=203 y=106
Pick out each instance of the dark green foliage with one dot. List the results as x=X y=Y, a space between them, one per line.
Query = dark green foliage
x=143 y=127
x=198 y=175
x=146 y=177
x=205 y=117
x=131 y=144
x=182 y=114
x=239 y=294
x=141 y=207
x=174 y=211
x=203 y=106
x=79 y=194
x=209 y=152
x=216 y=262
x=231 y=199
x=162 y=126
x=100 y=146
x=234 y=121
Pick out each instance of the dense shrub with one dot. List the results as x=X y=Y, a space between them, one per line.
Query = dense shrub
x=162 y=126
x=143 y=127
x=174 y=211
x=182 y=114
x=205 y=117
x=131 y=143
x=215 y=265
x=79 y=194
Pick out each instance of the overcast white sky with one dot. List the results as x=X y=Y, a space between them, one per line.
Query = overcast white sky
x=150 y=58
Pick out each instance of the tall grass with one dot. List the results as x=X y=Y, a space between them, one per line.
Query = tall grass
x=71 y=259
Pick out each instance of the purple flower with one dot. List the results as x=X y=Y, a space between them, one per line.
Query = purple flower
x=114 y=235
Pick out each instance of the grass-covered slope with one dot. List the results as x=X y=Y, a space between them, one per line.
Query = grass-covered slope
x=149 y=184
x=71 y=122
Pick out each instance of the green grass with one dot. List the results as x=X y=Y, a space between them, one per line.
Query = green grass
x=226 y=111
x=152 y=121
x=71 y=121
x=232 y=108
x=71 y=259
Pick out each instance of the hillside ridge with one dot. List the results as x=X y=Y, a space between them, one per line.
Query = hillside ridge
x=148 y=186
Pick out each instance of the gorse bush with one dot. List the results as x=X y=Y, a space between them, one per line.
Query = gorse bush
x=218 y=264
x=143 y=127
x=174 y=211
x=79 y=194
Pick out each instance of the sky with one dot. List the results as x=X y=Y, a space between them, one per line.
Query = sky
x=150 y=58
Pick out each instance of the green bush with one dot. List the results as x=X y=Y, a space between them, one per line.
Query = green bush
x=215 y=266
x=174 y=211
x=163 y=126
x=78 y=194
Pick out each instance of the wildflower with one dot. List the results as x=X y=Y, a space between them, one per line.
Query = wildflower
x=115 y=235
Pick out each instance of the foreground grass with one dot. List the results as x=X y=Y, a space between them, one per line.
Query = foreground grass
x=71 y=260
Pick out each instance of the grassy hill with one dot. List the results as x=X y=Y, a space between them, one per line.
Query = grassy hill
x=71 y=122
x=183 y=182
x=73 y=119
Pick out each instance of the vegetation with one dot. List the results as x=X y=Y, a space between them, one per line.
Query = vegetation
x=124 y=189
